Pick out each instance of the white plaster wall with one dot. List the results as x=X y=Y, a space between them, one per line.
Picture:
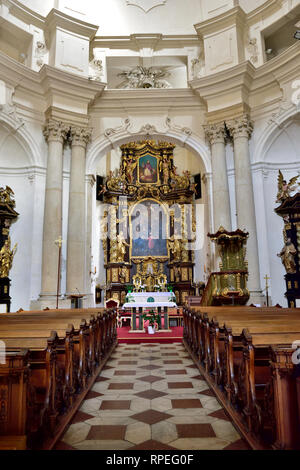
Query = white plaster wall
x=284 y=154
x=16 y=172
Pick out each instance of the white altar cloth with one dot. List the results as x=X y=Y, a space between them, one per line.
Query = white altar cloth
x=161 y=299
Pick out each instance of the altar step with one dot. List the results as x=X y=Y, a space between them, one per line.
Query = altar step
x=175 y=336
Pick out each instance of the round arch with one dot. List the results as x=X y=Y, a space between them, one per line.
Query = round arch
x=272 y=132
x=23 y=137
x=118 y=137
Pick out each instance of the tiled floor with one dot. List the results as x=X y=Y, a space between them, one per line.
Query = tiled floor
x=151 y=397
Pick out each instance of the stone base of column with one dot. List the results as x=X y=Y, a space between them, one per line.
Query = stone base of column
x=257 y=298
x=89 y=301
x=49 y=301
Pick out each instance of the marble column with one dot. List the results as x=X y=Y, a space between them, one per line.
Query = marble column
x=55 y=133
x=76 y=244
x=221 y=202
x=241 y=130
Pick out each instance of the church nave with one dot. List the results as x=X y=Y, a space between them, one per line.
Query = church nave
x=150 y=397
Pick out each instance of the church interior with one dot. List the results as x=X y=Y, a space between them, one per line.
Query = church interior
x=149 y=225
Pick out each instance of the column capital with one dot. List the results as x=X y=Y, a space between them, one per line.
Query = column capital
x=240 y=127
x=215 y=133
x=55 y=130
x=91 y=180
x=80 y=136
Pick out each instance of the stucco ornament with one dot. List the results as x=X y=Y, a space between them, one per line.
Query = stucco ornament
x=146 y=5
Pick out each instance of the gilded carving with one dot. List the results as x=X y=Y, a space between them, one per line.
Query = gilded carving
x=287 y=255
x=6 y=258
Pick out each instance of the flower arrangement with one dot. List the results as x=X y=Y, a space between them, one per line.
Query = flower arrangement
x=152 y=318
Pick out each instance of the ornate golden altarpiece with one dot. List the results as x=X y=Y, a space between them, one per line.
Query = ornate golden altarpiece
x=148 y=223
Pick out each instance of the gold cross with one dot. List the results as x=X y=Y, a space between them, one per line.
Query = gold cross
x=59 y=242
x=266 y=278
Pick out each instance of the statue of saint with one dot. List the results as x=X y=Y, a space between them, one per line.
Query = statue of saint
x=121 y=247
x=6 y=258
x=165 y=168
x=129 y=170
x=287 y=256
x=175 y=247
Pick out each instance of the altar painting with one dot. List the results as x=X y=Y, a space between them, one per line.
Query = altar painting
x=149 y=228
x=148 y=169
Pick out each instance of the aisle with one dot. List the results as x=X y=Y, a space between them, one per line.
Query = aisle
x=151 y=397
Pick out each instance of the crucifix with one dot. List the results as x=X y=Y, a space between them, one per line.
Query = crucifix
x=58 y=243
x=267 y=278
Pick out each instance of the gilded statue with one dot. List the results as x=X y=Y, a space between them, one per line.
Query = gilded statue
x=180 y=182
x=121 y=248
x=129 y=169
x=287 y=256
x=104 y=230
x=165 y=168
x=175 y=247
x=116 y=181
x=6 y=195
x=6 y=258
x=285 y=189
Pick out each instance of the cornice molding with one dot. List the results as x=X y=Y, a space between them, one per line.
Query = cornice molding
x=55 y=79
x=58 y=19
x=221 y=22
x=146 y=99
x=22 y=12
x=249 y=82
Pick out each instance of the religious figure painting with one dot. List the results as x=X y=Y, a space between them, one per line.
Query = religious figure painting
x=149 y=230
x=148 y=169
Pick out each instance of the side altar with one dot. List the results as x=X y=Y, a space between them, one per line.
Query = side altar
x=148 y=226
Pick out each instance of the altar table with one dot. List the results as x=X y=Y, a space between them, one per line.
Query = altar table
x=143 y=301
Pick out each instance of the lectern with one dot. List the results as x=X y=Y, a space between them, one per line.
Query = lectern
x=76 y=300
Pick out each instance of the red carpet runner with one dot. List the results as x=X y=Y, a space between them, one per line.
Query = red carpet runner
x=175 y=336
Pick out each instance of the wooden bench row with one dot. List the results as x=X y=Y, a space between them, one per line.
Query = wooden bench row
x=51 y=360
x=248 y=357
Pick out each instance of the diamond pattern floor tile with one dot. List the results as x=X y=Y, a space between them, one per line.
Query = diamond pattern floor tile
x=151 y=416
x=151 y=394
x=170 y=408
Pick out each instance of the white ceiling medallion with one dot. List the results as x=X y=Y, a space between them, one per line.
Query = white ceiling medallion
x=146 y=5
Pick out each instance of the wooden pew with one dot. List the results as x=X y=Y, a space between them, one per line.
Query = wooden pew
x=242 y=368
x=52 y=365
x=42 y=402
x=14 y=376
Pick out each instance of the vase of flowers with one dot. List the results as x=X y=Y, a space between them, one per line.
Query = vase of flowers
x=154 y=321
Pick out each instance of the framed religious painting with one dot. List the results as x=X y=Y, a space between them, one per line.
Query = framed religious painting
x=149 y=229
x=148 y=169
